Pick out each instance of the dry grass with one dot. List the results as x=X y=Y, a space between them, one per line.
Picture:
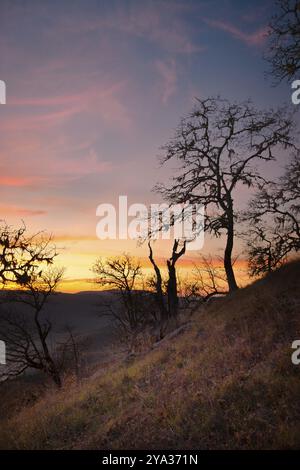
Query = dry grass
x=225 y=382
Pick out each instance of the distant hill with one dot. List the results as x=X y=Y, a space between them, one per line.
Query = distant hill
x=81 y=312
x=222 y=380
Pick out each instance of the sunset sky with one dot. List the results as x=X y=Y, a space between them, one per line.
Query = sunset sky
x=94 y=88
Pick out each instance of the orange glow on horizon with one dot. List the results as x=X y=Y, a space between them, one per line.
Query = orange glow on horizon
x=184 y=270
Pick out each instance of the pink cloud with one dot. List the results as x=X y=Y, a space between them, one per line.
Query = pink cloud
x=256 y=38
x=46 y=150
x=14 y=181
x=19 y=211
x=102 y=101
x=53 y=170
x=83 y=166
x=39 y=120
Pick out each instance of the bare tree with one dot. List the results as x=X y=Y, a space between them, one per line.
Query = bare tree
x=21 y=254
x=266 y=249
x=171 y=283
x=68 y=353
x=284 y=40
x=210 y=278
x=123 y=274
x=158 y=286
x=26 y=334
x=274 y=214
x=206 y=280
x=25 y=265
x=218 y=146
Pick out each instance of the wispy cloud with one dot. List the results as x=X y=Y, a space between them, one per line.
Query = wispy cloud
x=15 y=181
x=8 y=210
x=156 y=22
x=74 y=238
x=52 y=111
x=44 y=135
x=168 y=75
x=159 y=26
x=54 y=170
x=255 y=38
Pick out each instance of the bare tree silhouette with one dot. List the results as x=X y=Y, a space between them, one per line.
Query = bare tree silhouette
x=171 y=284
x=158 y=286
x=217 y=147
x=284 y=40
x=172 y=281
x=274 y=215
x=123 y=274
x=26 y=334
x=21 y=254
x=266 y=249
x=26 y=265
x=210 y=279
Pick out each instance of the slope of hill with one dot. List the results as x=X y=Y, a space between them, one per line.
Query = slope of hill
x=224 y=381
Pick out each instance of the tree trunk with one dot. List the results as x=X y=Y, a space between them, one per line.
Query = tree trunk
x=232 y=285
x=159 y=295
x=172 y=282
x=50 y=368
x=172 y=291
x=56 y=377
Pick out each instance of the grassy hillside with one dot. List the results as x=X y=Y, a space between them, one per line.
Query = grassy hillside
x=225 y=381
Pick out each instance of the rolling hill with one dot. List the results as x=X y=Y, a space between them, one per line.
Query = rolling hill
x=224 y=380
